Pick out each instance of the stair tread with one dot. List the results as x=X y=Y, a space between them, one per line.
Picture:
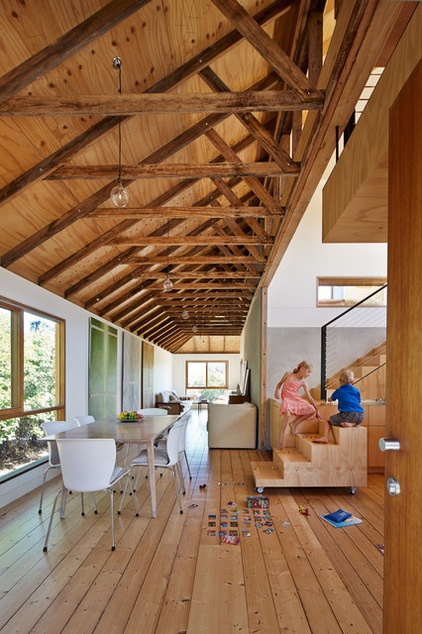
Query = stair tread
x=291 y=455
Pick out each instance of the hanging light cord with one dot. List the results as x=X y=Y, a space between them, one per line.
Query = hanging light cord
x=117 y=64
x=120 y=126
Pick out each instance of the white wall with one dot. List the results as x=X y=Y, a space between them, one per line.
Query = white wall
x=163 y=370
x=293 y=291
x=294 y=321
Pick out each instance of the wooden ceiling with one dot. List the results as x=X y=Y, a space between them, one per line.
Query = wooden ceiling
x=220 y=121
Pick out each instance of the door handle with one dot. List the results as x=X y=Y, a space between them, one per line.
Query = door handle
x=389 y=444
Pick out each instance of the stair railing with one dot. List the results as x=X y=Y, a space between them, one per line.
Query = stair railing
x=360 y=315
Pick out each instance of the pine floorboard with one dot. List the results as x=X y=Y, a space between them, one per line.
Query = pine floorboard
x=172 y=575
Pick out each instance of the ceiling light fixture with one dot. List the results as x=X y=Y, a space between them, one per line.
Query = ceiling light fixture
x=118 y=194
x=168 y=284
x=185 y=314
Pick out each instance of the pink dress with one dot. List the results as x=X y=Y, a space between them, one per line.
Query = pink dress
x=291 y=401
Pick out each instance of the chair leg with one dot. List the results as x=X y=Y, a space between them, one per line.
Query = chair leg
x=94 y=503
x=182 y=480
x=50 y=523
x=113 y=545
x=42 y=490
x=135 y=499
x=176 y=488
x=82 y=505
x=187 y=464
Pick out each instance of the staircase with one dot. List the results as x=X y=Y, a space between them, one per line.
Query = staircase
x=340 y=462
x=369 y=372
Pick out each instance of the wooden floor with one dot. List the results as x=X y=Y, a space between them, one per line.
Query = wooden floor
x=171 y=575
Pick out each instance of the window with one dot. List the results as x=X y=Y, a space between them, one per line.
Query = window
x=31 y=382
x=206 y=379
x=349 y=291
x=206 y=374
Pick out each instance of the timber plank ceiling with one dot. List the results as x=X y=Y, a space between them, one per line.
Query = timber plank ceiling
x=220 y=119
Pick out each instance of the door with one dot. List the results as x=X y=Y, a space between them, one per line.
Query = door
x=403 y=512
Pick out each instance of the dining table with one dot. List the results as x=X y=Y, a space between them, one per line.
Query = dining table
x=144 y=432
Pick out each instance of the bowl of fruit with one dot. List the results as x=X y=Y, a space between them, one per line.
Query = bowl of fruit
x=129 y=417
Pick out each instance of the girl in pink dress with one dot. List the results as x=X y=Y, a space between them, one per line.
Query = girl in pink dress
x=295 y=407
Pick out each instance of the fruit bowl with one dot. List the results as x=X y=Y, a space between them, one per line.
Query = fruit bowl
x=129 y=417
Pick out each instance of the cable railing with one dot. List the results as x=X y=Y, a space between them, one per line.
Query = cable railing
x=351 y=335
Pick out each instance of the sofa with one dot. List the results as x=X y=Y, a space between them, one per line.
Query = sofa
x=232 y=426
x=170 y=400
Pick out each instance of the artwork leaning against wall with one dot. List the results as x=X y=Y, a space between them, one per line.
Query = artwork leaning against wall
x=31 y=383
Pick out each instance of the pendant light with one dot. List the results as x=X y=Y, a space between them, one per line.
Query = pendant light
x=118 y=194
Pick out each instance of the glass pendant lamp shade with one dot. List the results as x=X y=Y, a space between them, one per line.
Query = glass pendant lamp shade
x=119 y=195
x=168 y=284
x=194 y=328
x=185 y=314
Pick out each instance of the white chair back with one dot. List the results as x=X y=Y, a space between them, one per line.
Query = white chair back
x=55 y=427
x=182 y=435
x=173 y=444
x=153 y=411
x=87 y=464
x=84 y=420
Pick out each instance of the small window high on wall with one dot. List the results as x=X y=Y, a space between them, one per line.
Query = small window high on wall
x=339 y=291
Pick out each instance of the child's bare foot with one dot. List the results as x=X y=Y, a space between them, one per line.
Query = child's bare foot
x=321 y=440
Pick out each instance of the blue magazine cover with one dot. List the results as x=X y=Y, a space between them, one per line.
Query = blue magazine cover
x=341 y=518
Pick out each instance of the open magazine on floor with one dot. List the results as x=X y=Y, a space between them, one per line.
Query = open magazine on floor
x=341 y=519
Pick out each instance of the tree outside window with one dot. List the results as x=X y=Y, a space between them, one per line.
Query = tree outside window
x=31 y=383
x=206 y=379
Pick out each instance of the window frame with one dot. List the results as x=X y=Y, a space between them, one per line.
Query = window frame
x=375 y=282
x=17 y=408
x=207 y=386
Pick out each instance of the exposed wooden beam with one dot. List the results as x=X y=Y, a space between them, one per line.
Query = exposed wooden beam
x=269 y=49
x=173 y=170
x=92 y=202
x=205 y=240
x=67 y=45
x=198 y=259
x=162 y=103
x=179 y=74
x=228 y=153
x=252 y=124
x=361 y=30
x=183 y=212
x=210 y=274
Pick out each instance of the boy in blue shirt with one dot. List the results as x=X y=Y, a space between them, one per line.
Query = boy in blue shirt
x=350 y=411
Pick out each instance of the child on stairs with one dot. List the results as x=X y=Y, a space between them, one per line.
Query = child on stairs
x=295 y=407
x=350 y=411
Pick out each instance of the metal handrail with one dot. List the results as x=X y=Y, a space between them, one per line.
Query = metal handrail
x=324 y=339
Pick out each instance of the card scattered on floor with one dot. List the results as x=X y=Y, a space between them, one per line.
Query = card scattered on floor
x=341 y=519
x=257 y=501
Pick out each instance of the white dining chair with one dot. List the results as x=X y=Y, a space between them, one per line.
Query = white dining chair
x=89 y=465
x=164 y=459
x=53 y=427
x=161 y=444
x=84 y=420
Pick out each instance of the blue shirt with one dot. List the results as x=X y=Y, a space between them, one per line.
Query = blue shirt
x=348 y=398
